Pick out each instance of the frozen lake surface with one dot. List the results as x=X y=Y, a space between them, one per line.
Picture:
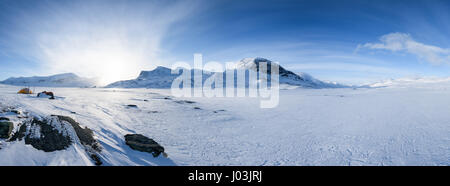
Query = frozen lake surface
x=399 y=125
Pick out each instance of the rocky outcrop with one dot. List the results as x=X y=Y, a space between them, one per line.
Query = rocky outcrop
x=144 y=144
x=85 y=135
x=55 y=133
x=46 y=94
x=132 y=106
x=184 y=101
x=43 y=135
x=6 y=128
x=4 y=119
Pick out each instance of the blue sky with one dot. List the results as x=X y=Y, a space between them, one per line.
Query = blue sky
x=346 y=41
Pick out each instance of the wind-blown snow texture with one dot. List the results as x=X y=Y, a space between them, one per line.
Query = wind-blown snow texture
x=60 y=80
x=407 y=125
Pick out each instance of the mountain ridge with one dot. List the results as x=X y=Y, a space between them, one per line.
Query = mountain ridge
x=161 y=77
x=57 y=80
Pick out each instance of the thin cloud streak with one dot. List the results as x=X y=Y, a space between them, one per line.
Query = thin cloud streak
x=401 y=42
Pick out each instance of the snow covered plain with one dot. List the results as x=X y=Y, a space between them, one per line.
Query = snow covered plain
x=399 y=125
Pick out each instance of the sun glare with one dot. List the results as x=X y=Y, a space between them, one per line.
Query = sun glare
x=107 y=60
x=114 y=66
x=110 y=43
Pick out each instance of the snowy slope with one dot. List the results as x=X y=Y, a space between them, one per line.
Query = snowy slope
x=60 y=80
x=382 y=126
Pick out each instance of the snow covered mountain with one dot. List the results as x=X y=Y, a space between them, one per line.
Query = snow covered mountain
x=161 y=77
x=411 y=82
x=59 y=80
x=286 y=76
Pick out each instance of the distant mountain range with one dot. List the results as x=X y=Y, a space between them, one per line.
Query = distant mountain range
x=161 y=77
x=407 y=82
x=60 y=80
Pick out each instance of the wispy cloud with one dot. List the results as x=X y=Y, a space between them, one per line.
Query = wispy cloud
x=402 y=42
x=112 y=41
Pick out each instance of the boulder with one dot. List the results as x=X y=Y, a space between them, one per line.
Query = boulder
x=96 y=159
x=184 y=101
x=55 y=133
x=46 y=94
x=6 y=128
x=217 y=111
x=18 y=112
x=85 y=135
x=42 y=135
x=4 y=119
x=144 y=144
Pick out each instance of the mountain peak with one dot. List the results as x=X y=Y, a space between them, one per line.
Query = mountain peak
x=58 y=80
x=253 y=63
x=158 y=71
x=161 y=68
x=65 y=75
x=286 y=76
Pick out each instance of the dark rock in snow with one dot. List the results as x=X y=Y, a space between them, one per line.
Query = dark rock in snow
x=58 y=133
x=19 y=135
x=16 y=111
x=4 y=119
x=96 y=159
x=141 y=143
x=184 y=101
x=6 y=128
x=46 y=94
x=42 y=135
x=217 y=111
x=85 y=135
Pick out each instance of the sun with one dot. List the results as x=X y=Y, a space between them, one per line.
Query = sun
x=112 y=66
x=106 y=60
x=111 y=63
